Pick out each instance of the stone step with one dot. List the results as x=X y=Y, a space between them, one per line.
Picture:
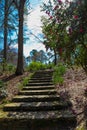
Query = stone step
x=43 y=73
x=35 y=98
x=49 y=120
x=39 y=84
x=46 y=116
x=41 y=78
x=39 y=88
x=40 y=81
x=37 y=106
x=37 y=92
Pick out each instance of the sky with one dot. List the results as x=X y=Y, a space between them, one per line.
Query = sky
x=34 y=25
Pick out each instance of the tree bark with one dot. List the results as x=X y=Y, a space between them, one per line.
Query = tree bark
x=5 y=30
x=20 y=69
x=55 y=55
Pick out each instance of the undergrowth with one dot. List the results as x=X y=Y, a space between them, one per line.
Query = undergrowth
x=34 y=66
x=59 y=71
x=3 y=92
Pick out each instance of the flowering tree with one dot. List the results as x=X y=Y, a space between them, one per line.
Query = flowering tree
x=77 y=31
x=65 y=29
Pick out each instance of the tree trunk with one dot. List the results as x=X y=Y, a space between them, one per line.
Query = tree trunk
x=55 y=55
x=20 y=69
x=5 y=30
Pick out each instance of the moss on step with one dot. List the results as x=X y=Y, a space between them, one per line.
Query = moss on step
x=82 y=126
x=3 y=114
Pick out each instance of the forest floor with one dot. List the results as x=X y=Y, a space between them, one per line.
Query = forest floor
x=13 y=83
x=73 y=89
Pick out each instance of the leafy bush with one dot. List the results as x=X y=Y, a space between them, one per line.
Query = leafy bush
x=50 y=66
x=25 y=81
x=58 y=79
x=10 y=68
x=34 y=66
x=59 y=71
x=6 y=67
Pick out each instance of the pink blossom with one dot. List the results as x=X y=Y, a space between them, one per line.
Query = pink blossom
x=81 y=30
x=47 y=12
x=70 y=30
x=56 y=7
x=76 y=17
x=60 y=1
x=51 y=17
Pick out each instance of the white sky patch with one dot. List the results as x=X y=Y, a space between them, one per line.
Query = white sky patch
x=28 y=48
x=14 y=46
x=34 y=25
x=34 y=20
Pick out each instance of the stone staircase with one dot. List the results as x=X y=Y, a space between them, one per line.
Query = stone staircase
x=39 y=107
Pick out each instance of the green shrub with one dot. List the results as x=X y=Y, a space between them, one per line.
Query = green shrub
x=6 y=67
x=59 y=80
x=34 y=66
x=25 y=81
x=50 y=66
x=10 y=68
x=59 y=71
